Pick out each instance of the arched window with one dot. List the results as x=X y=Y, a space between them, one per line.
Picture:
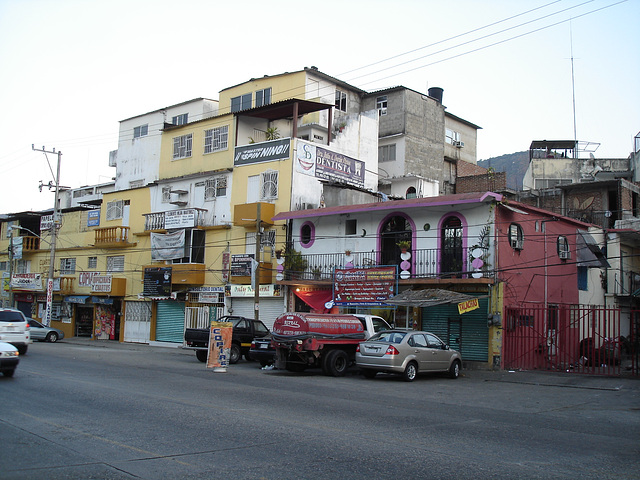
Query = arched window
x=307 y=234
x=393 y=230
x=451 y=257
x=411 y=192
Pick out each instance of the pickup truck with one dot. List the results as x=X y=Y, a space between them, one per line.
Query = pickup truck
x=244 y=331
x=328 y=341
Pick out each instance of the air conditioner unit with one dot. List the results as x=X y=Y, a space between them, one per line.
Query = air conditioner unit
x=564 y=255
x=458 y=144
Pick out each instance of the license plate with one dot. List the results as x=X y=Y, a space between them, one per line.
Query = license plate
x=373 y=349
x=264 y=346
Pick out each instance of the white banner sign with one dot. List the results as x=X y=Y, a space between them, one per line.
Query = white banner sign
x=101 y=283
x=167 y=246
x=180 y=219
x=27 y=281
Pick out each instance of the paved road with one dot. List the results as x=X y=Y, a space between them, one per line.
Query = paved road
x=84 y=410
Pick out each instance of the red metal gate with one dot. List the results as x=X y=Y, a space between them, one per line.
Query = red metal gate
x=568 y=338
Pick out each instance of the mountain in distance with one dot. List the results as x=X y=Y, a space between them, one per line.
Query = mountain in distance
x=514 y=164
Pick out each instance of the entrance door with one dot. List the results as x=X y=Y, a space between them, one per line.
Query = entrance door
x=451 y=264
x=84 y=321
x=394 y=229
x=137 y=322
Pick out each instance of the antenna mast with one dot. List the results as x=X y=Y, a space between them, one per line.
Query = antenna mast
x=573 y=90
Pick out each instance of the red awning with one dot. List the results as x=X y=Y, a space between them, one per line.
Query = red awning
x=315 y=298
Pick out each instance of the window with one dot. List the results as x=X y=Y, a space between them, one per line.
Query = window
x=452 y=255
x=516 y=236
x=216 y=139
x=381 y=105
x=215 y=187
x=307 y=234
x=114 y=209
x=141 y=131
x=263 y=97
x=341 y=101
x=563 y=248
x=3 y=265
x=350 y=227
x=136 y=184
x=115 y=263
x=180 y=119
x=269 y=185
x=92 y=263
x=67 y=266
x=242 y=102
x=387 y=153
x=583 y=278
x=451 y=136
x=182 y=146
x=194 y=247
x=166 y=194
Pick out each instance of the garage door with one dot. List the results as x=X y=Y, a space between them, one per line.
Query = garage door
x=170 y=322
x=269 y=309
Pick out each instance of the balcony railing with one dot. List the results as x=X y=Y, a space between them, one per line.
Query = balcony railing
x=425 y=263
x=113 y=237
x=30 y=244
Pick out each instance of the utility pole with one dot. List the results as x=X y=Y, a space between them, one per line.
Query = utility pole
x=54 y=234
x=10 y=267
x=256 y=291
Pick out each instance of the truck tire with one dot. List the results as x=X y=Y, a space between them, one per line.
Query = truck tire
x=337 y=362
x=201 y=355
x=234 y=354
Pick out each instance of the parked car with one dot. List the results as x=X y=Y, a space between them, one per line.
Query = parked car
x=262 y=351
x=14 y=329
x=407 y=353
x=9 y=359
x=43 y=333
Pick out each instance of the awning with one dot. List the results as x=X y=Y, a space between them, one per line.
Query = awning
x=76 y=298
x=588 y=253
x=102 y=300
x=315 y=298
x=428 y=298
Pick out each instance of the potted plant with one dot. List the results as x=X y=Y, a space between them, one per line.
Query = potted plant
x=317 y=273
x=404 y=245
x=294 y=263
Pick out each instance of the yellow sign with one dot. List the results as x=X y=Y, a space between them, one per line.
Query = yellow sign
x=467 y=306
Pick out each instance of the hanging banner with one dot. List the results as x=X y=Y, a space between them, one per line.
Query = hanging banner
x=220 y=334
x=167 y=246
x=262 y=152
x=174 y=219
x=27 y=281
x=370 y=286
x=322 y=163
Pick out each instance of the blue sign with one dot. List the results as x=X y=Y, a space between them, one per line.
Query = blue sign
x=93 y=218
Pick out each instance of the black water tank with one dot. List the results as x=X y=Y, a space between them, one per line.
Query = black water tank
x=436 y=92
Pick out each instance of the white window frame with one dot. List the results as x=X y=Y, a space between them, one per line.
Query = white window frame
x=341 y=100
x=451 y=136
x=67 y=266
x=564 y=250
x=92 y=263
x=166 y=194
x=181 y=119
x=182 y=146
x=141 y=131
x=387 y=153
x=381 y=105
x=115 y=263
x=269 y=185
x=115 y=209
x=263 y=97
x=215 y=187
x=216 y=139
x=516 y=236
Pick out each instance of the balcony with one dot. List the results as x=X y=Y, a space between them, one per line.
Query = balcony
x=155 y=222
x=426 y=265
x=66 y=285
x=30 y=244
x=113 y=237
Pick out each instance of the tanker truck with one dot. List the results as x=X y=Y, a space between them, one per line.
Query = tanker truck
x=328 y=341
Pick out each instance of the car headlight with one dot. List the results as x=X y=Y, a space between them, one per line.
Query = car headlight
x=9 y=354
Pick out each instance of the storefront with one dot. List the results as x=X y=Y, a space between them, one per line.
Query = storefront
x=241 y=302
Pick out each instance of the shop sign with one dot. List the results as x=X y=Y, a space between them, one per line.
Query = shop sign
x=207 y=297
x=364 y=286
x=101 y=283
x=27 y=281
x=322 y=163
x=468 y=306
x=185 y=218
x=46 y=222
x=248 y=291
x=93 y=218
x=157 y=282
x=241 y=265
x=85 y=279
x=262 y=152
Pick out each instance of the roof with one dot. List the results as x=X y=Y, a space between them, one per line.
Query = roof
x=535 y=144
x=199 y=99
x=428 y=298
x=457 y=199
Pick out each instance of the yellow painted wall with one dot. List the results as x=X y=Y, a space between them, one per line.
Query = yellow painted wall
x=289 y=85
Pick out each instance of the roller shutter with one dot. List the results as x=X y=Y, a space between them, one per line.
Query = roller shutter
x=467 y=333
x=269 y=309
x=170 y=322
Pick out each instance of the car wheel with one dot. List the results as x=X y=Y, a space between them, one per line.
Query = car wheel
x=202 y=355
x=9 y=373
x=52 y=337
x=22 y=349
x=410 y=372
x=454 y=370
x=369 y=373
x=234 y=354
x=337 y=363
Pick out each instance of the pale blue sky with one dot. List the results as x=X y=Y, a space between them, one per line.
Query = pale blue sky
x=72 y=69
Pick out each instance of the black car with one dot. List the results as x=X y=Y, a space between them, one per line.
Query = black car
x=262 y=351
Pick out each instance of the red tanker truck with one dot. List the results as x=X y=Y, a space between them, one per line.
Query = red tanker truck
x=305 y=340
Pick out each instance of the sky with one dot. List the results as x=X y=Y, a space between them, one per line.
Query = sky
x=70 y=70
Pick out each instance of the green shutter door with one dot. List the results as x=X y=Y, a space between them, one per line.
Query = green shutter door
x=467 y=333
x=170 y=322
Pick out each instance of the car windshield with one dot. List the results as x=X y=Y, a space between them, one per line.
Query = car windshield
x=11 y=317
x=388 y=336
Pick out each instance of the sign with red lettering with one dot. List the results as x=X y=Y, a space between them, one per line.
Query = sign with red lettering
x=371 y=286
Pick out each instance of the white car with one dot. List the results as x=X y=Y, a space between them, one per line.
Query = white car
x=14 y=329
x=9 y=359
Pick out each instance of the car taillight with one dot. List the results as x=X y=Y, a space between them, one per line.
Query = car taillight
x=391 y=350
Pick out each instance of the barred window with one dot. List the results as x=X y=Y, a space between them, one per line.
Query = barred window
x=182 y=146
x=166 y=194
x=216 y=139
x=67 y=266
x=115 y=263
x=269 y=185
x=114 y=209
x=215 y=187
x=92 y=263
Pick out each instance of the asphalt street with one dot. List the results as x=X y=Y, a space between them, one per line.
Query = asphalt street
x=82 y=409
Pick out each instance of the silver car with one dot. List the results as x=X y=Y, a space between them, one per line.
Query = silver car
x=44 y=334
x=407 y=353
